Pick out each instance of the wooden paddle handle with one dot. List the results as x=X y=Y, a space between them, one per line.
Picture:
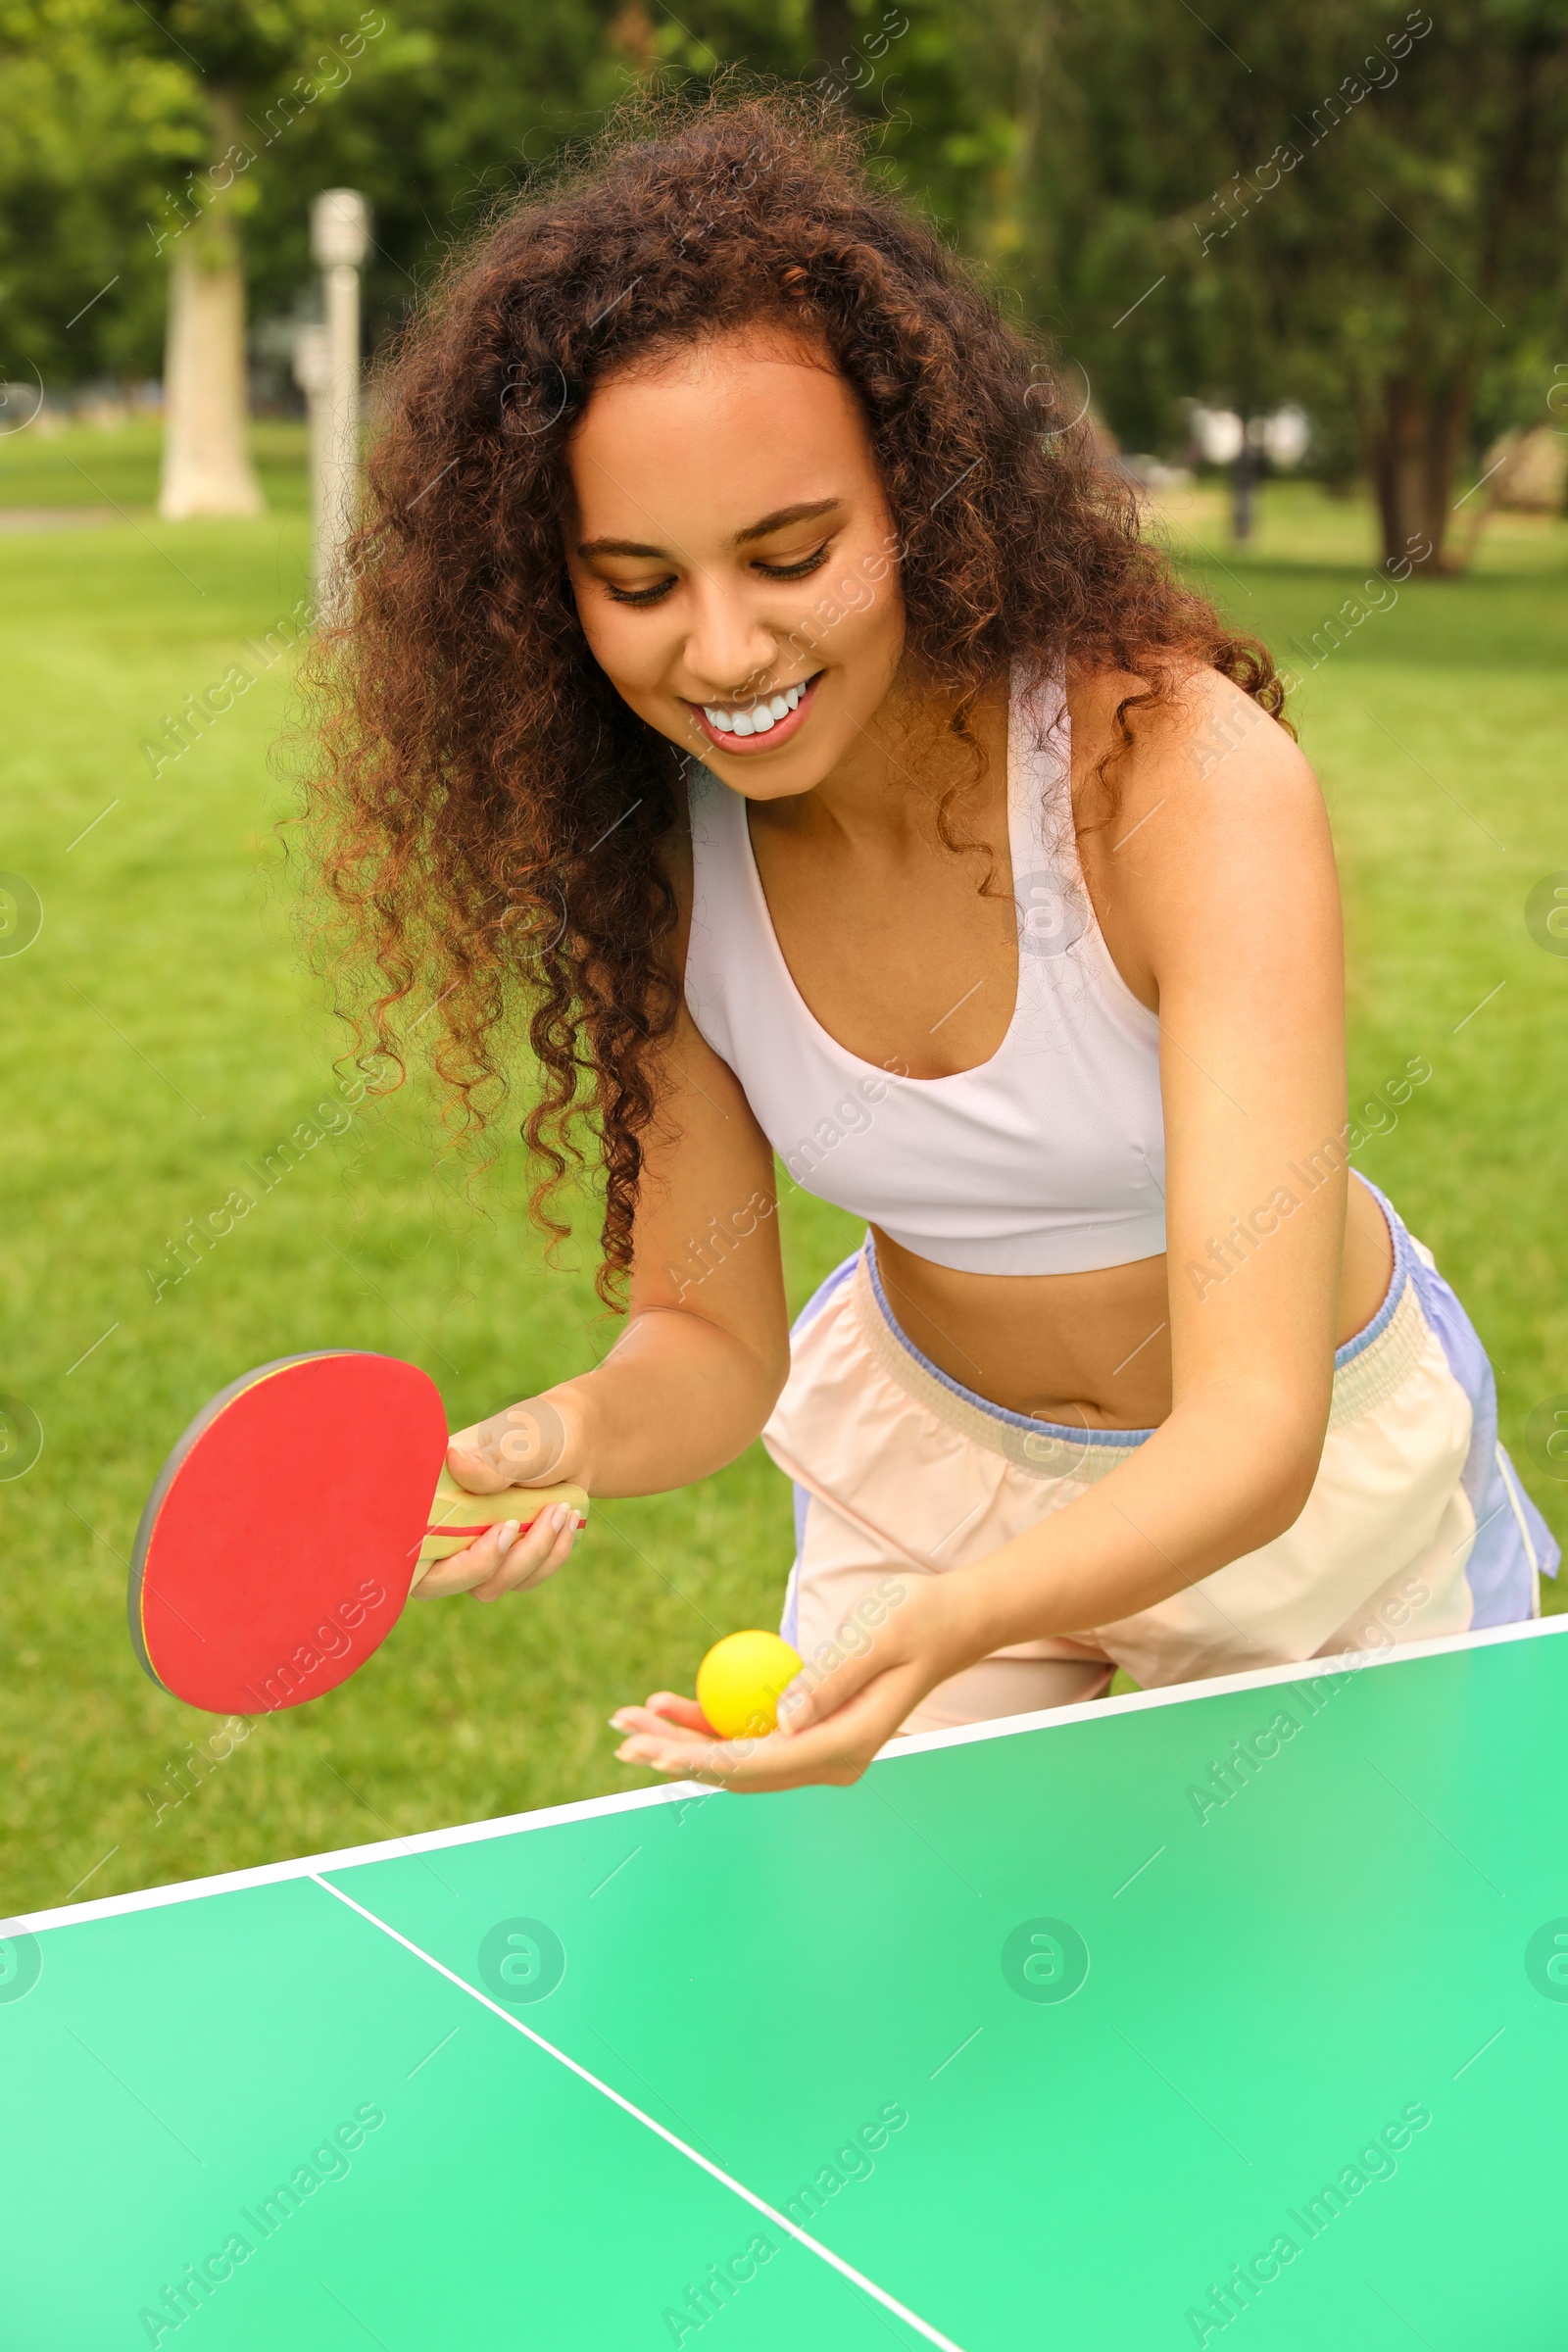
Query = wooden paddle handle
x=453 y=1506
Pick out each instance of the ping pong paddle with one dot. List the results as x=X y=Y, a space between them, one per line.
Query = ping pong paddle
x=290 y=1524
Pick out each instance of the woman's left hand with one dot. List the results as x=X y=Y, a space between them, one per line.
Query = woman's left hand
x=840 y=1709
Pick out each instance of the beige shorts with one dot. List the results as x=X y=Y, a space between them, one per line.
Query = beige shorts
x=1417 y=1526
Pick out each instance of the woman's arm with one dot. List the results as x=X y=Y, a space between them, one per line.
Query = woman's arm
x=1217 y=889
x=695 y=1373
x=1218 y=892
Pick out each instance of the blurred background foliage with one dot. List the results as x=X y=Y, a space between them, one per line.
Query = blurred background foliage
x=1347 y=206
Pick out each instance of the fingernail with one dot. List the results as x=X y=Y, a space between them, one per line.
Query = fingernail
x=616 y=1724
x=559 y=1517
x=507 y=1534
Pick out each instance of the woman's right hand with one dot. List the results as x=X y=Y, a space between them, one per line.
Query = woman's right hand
x=534 y=1443
x=539 y=1442
x=505 y=1559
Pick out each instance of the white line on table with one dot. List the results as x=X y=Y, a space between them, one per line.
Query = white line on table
x=802 y=2238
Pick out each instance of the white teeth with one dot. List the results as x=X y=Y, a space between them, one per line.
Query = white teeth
x=760 y=719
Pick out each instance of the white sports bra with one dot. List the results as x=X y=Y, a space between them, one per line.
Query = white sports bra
x=1049 y=1158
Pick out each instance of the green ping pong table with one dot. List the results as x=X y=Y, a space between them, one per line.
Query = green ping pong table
x=1241 y=2008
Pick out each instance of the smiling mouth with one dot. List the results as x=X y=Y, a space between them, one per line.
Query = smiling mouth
x=756 y=726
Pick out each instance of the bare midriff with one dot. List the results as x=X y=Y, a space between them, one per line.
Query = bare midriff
x=1091 y=1351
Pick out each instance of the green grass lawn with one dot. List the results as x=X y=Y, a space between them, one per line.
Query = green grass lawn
x=160 y=1033
x=117 y=464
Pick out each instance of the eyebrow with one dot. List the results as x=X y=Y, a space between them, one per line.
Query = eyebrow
x=807 y=512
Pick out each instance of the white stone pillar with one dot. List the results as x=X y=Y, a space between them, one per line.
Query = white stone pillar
x=340 y=234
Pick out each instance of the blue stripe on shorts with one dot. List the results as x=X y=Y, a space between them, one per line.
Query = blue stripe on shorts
x=1512 y=1540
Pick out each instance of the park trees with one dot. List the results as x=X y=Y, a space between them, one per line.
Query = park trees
x=1357 y=205
x=254 y=68
x=87 y=131
x=137 y=139
x=1360 y=205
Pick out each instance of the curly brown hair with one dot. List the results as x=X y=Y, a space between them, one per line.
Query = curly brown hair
x=490 y=816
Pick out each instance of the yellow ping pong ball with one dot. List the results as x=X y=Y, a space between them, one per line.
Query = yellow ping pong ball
x=740 y=1682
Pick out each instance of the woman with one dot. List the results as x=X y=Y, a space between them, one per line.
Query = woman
x=755 y=674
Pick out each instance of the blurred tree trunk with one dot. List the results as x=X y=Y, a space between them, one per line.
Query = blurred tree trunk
x=833 y=39
x=206 y=467
x=1414 y=446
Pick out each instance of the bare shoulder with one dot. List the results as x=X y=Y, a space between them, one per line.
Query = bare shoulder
x=1127 y=749
x=1208 y=822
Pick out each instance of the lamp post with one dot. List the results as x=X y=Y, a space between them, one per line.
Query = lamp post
x=340 y=232
x=313 y=372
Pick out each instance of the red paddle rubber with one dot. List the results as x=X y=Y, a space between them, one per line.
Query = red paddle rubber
x=278 y=1546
